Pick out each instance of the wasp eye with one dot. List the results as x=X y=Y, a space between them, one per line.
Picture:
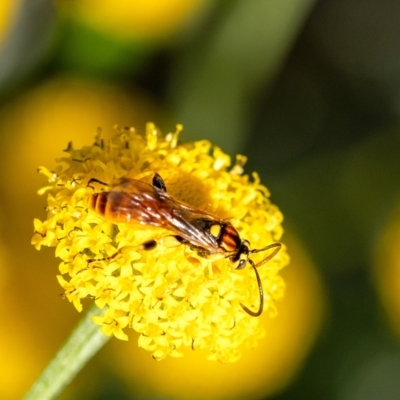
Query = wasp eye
x=242 y=264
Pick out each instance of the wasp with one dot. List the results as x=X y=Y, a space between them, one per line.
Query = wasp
x=135 y=201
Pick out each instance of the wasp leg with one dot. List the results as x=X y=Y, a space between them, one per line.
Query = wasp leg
x=81 y=161
x=149 y=245
x=94 y=180
x=103 y=259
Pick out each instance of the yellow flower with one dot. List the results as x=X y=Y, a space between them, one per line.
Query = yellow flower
x=387 y=270
x=174 y=294
x=260 y=372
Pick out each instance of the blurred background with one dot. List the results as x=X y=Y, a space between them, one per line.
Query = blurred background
x=308 y=90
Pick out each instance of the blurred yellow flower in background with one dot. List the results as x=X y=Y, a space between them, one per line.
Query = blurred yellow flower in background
x=35 y=128
x=141 y=19
x=387 y=270
x=8 y=11
x=15 y=344
x=40 y=123
x=260 y=372
x=177 y=296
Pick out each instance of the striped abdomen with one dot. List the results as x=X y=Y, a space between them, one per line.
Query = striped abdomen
x=111 y=205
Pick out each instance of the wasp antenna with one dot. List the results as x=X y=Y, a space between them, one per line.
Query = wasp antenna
x=158 y=183
x=261 y=293
x=275 y=246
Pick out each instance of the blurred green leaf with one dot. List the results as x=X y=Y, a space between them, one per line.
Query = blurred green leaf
x=28 y=41
x=215 y=82
x=87 y=51
x=370 y=184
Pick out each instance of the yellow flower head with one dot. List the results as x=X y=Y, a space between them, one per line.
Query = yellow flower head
x=136 y=254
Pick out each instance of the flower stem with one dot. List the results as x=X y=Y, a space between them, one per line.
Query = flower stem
x=83 y=343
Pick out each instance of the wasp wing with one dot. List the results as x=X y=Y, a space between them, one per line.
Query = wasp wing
x=190 y=223
x=135 y=200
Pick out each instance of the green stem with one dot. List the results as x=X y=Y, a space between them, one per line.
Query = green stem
x=83 y=343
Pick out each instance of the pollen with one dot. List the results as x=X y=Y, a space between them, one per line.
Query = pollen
x=140 y=271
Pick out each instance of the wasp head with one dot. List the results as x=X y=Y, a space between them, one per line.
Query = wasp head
x=241 y=257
